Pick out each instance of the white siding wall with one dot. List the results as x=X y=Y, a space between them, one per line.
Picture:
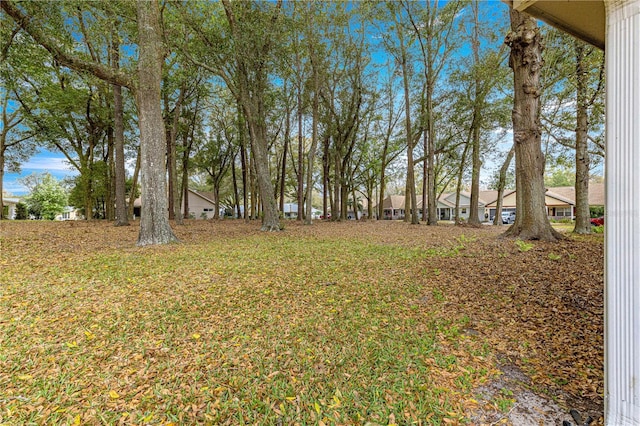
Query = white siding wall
x=197 y=205
x=622 y=229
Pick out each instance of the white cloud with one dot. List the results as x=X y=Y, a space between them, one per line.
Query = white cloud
x=48 y=164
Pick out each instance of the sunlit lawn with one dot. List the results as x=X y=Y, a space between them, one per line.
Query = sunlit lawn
x=334 y=324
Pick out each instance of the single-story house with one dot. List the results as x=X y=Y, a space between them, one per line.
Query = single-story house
x=9 y=207
x=446 y=205
x=394 y=206
x=290 y=211
x=201 y=205
x=560 y=201
x=70 y=213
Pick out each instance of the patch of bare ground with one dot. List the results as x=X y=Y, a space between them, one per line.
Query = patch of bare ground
x=540 y=307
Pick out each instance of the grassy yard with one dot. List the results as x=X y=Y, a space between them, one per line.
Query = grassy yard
x=337 y=323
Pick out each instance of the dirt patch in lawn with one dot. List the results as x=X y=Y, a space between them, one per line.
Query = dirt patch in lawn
x=540 y=305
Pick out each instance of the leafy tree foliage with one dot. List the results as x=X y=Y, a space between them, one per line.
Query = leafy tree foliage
x=47 y=199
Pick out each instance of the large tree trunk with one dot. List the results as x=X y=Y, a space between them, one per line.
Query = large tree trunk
x=271 y=219
x=154 y=218
x=583 y=223
x=234 y=178
x=243 y=163
x=525 y=41
x=251 y=60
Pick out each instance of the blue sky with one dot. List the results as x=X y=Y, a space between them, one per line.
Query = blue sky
x=43 y=162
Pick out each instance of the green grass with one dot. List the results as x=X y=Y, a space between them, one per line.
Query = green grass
x=262 y=329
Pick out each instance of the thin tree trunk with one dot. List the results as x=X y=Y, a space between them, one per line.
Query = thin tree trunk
x=432 y=213
x=300 y=153
x=525 y=41
x=243 y=163
x=474 y=218
x=583 y=223
x=463 y=162
x=236 y=196
x=285 y=151
x=134 y=182
x=118 y=124
x=497 y=219
x=314 y=138
x=325 y=176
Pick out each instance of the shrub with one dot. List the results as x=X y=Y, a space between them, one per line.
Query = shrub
x=22 y=211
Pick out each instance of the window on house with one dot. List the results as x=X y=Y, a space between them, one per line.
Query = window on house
x=563 y=211
x=207 y=210
x=463 y=211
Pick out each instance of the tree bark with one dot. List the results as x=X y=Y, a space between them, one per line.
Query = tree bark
x=412 y=207
x=525 y=59
x=154 y=218
x=118 y=124
x=497 y=220
x=474 y=218
x=252 y=85
x=583 y=222
x=314 y=134
x=134 y=183
x=300 y=149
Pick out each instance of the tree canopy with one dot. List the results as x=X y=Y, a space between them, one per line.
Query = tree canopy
x=325 y=103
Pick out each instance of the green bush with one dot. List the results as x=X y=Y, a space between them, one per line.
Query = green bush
x=22 y=211
x=596 y=211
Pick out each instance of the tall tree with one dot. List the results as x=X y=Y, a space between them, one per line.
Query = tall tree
x=251 y=54
x=573 y=113
x=154 y=219
x=435 y=32
x=154 y=222
x=122 y=218
x=525 y=60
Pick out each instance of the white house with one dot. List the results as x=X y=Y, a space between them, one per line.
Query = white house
x=9 y=207
x=290 y=211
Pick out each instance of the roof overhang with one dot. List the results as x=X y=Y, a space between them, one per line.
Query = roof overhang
x=584 y=19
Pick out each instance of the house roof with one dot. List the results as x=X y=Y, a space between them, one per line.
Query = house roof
x=584 y=19
x=206 y=195
x=555 y=195
x=596 y=193
x=393 y=202
x=567 y=194
x=487 y=197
